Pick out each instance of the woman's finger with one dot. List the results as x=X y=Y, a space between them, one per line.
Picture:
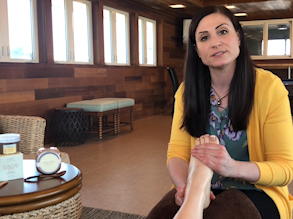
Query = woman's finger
x=178 y=199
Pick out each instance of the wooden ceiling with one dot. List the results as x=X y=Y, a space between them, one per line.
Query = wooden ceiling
x=256 y=10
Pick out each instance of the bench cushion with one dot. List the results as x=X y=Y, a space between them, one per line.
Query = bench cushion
x=122 y=102
x=95 y=105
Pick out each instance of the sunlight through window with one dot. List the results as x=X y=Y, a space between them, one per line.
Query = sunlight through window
x=72 y=31
x=59 y=35
x=116 y=36
x=80 y=32
x=20 y=47
x=147 y=41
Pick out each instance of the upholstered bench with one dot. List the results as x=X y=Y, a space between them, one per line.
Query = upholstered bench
x=103 y=106
x=99 y=108
x=123 y=104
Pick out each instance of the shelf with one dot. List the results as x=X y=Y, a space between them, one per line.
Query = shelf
x=275 y=66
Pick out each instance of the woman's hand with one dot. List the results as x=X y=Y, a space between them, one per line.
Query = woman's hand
x=216 y=157
x=179 y=195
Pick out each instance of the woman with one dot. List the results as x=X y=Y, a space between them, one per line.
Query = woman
x=247 y=108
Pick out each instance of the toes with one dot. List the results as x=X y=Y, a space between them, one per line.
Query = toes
x=214 y=139
x=204 y=139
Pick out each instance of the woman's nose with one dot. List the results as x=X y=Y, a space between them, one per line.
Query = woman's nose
x=215 y=42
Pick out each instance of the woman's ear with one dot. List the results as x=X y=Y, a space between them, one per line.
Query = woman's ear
x=239 y=39
x=195 y=49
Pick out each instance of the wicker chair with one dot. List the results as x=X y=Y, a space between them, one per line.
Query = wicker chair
x=30 y=128
x=32 y=133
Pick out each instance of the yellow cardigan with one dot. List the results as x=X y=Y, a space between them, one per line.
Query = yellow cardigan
x=269 y=134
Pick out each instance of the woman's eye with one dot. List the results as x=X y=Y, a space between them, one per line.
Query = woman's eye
x=222 y=32
x=204 y=38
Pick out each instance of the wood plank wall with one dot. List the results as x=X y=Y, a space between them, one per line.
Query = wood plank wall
x=37 y=89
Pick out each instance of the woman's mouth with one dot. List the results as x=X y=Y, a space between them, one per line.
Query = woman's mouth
x=218 y=53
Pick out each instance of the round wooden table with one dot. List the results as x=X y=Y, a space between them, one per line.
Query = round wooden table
x=20 y=196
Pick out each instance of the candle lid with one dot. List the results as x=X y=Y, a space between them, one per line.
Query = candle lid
x=9 y=138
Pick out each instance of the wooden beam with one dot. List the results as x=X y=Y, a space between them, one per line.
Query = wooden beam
x=160 y=43
x=41 y=18
x=228 y=2
x=49 y=32
x=97 y=11
x=199 y=3
x=101 y=34
x=134 y=47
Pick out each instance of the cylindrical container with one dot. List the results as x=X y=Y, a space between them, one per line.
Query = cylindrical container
x=48 y=160
x=9 y=143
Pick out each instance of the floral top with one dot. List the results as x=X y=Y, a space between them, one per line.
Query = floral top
x=235 y=143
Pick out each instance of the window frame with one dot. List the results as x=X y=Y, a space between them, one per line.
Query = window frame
x=69 y=33
x=4 y=34
x=266 y=24
x=113 y=36
x=144 y=48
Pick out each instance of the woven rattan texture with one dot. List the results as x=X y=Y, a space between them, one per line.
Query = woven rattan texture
x=69 y=209
x=30 y=128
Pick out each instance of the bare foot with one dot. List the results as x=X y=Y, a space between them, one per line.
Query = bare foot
x=209 y=172
x=198 y=188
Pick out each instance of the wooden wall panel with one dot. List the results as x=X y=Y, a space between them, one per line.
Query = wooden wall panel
x=61 y=102
x=135 y=79
x=37 y=89
x=17 y=96
x=90 y=72
x=48 y=72
x=11 y=72
x=76 y=82
x=33 y=107
x=2 y=85
x=49 y=93
x=26 y=84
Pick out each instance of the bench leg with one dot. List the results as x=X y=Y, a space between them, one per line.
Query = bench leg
x=91 y=123
x=100 y=127
x=118 y=121
x=115 y=123
x=131 y=118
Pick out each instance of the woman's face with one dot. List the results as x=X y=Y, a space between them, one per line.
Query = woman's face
x=217 y=42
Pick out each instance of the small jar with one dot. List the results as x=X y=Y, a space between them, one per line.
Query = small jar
x=9 y=143
x=48 y=160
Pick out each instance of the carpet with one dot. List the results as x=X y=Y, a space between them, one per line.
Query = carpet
x=94 y=213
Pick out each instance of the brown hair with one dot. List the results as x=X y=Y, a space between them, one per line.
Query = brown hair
x=198 y=81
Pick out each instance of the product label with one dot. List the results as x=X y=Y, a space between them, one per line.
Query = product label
x=11 y=166
x=9 y=149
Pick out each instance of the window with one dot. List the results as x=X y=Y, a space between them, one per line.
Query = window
x=116 y=36
x=279 y=39
x=72 y=31
x=147 y=41
x=18 y=31
x=269 y=39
